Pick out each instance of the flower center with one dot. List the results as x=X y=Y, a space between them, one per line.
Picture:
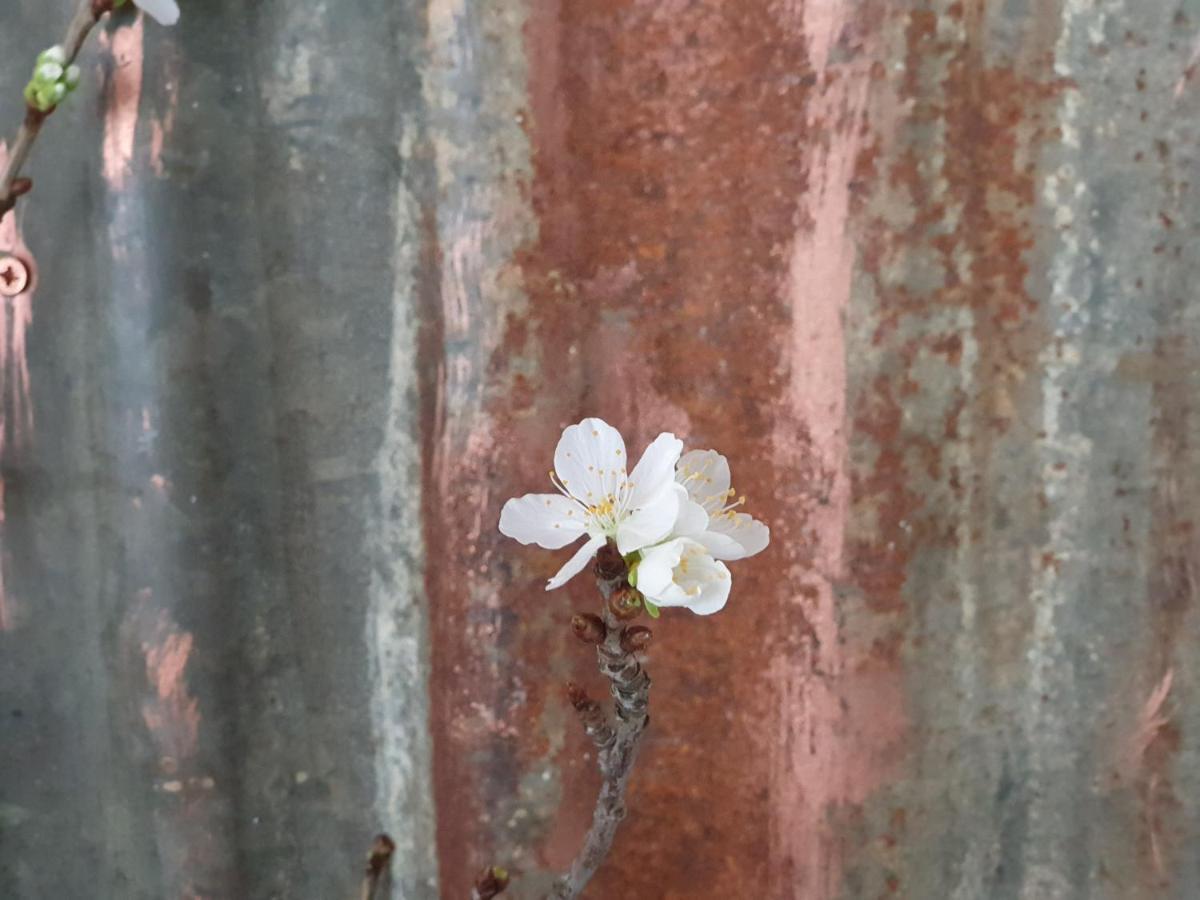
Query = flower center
x=601 y=515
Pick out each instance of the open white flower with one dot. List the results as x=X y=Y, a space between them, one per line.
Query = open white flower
x=682 y=572
x=685 y=569
x=708 y=517
x=596 y=498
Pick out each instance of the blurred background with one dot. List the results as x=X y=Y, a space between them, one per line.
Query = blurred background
x=316 y=286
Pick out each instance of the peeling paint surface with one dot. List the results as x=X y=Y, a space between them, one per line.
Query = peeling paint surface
x=317 y=288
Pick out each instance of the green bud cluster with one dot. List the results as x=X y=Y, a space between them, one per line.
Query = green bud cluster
x=52 y=80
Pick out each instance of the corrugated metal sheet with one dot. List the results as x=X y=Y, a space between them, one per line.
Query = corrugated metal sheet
x=318 y=285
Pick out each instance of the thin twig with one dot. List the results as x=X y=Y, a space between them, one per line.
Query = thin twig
x=617 y=741
x=87 y=14
x=378 y=863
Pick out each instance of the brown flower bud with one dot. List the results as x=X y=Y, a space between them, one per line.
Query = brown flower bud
x=491 y=881
x=21 y=186
x=610 y=565
x=625 y=603
x=588 y=628
x=380 y=855
x=578 y=696
x=635 y=638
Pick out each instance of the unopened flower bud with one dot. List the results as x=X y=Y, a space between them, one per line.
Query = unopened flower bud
x=21 y=186
x=55 y=54
x=72 y=76
x=635 y=638
x=588 y=628
x=625 y=603
x=491 y=881
x=609 y=563
x=578 y=696
x=380 y=855
x=50 y=71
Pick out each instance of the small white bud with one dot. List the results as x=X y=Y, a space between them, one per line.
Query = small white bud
x=50 y=71
x=55 y=54
x=72 y=77
x=60 y=91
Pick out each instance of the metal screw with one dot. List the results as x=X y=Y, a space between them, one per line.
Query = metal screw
x=14 y=275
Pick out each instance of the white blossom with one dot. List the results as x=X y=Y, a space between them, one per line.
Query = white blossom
x=598 y=499
x=711 y=516
x=686 y=569
x=682 y=572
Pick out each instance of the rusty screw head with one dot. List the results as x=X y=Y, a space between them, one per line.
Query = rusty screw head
x=14 y=275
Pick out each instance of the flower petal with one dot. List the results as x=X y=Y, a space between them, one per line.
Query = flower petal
x=656 y=571
x=548 y=520
x=651 y=522
x=714 y=594
x=654 y=469
x=733 y=536
x=721 y=546
x=576 y=563
x=692 y=520
x=705 y=474
x=164 y=12
x=590 y=460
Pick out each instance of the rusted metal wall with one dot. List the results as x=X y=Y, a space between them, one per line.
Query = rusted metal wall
x=317 y=286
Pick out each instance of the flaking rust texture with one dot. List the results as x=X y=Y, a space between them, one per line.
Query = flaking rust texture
x=319 y=285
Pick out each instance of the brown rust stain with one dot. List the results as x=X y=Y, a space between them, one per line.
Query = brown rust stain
x=672 y=146
x=943 y=381
x=970 y=198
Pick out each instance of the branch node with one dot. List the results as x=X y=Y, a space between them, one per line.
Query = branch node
x=595 y=723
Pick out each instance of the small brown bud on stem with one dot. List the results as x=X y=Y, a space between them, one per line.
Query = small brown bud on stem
x=635 y=638
x=491 y=882
x=21 y=187
x=588 y=628
x=610 y=565
x=625 y=603
x=378 y=859
x=380 y=855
